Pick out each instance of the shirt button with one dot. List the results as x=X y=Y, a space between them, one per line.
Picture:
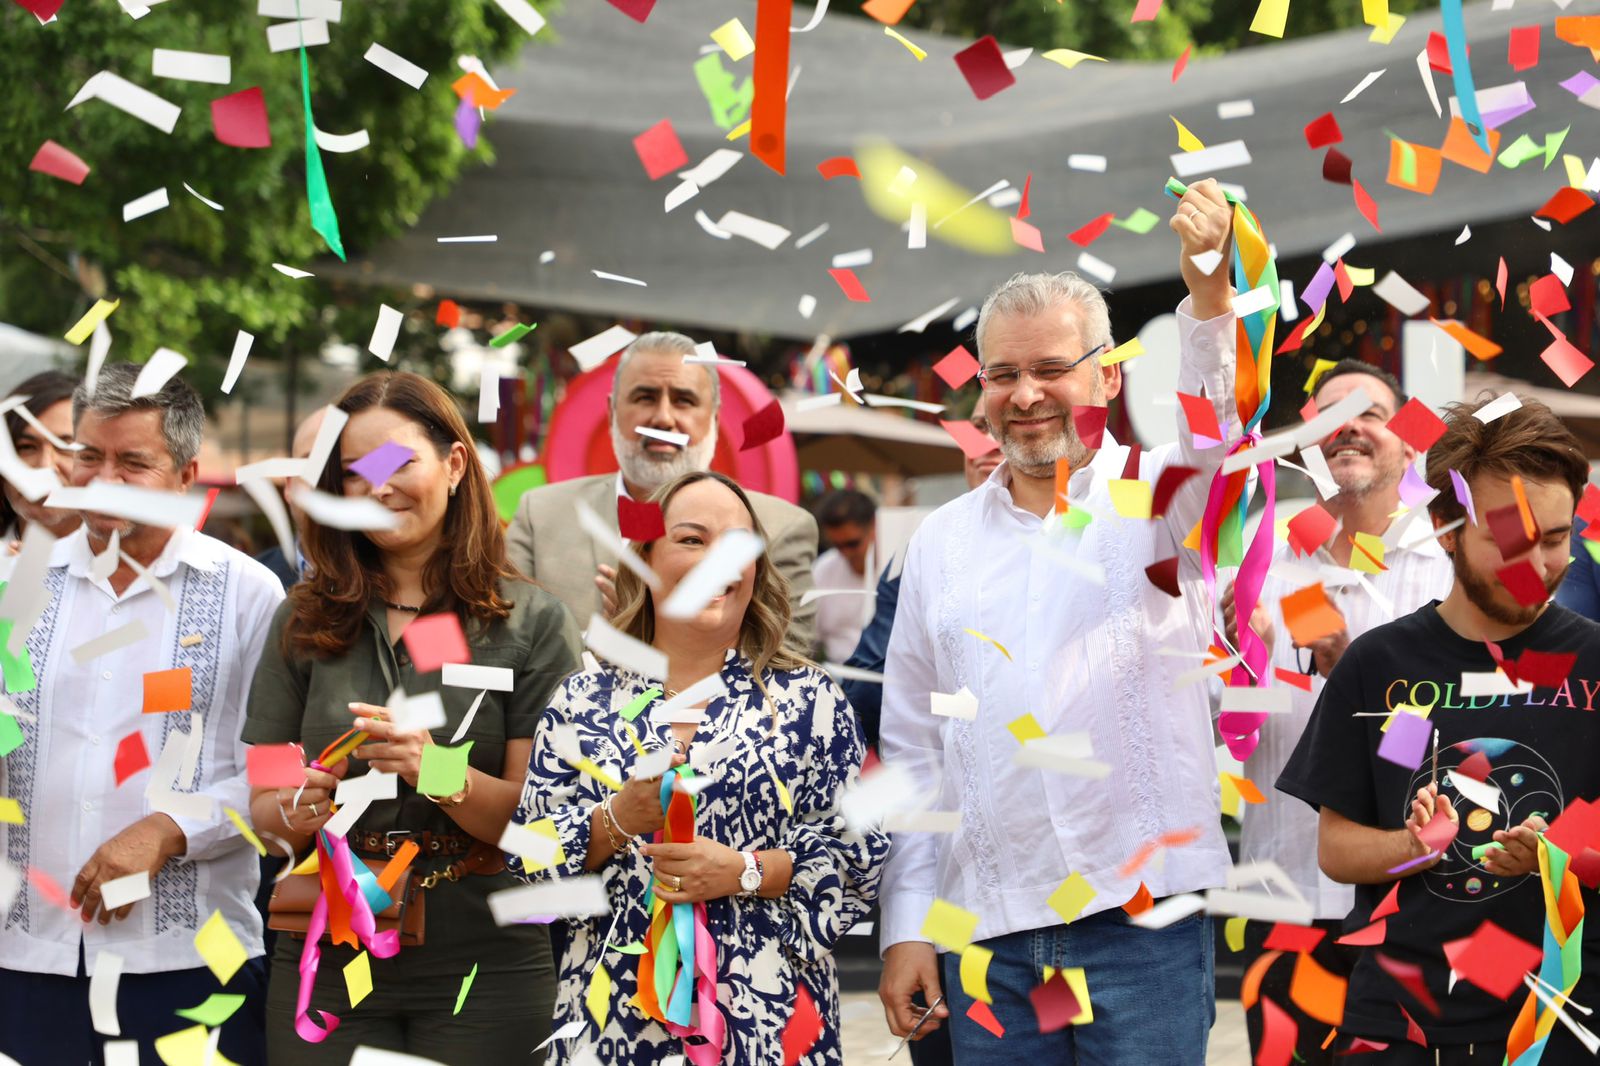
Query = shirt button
x=1034 y=667
x=94 y=739
x=116 y=608
x=88 y=806
x=105 y=675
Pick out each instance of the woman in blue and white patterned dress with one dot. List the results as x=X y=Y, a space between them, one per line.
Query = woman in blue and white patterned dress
x=781 y=875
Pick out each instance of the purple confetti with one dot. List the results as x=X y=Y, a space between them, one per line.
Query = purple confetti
x=1463 y=494
x=467 y=123
x=1414 y=491
x=1406 y=741
x=1418 y=861
x=1315 y=294
x=379 y=465
x=1495 y=119
x=1580 y=83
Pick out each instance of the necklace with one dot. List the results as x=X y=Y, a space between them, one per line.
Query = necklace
x=402 y=607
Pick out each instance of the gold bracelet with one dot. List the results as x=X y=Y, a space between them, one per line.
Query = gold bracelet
x=608 y=820
x=455 y=799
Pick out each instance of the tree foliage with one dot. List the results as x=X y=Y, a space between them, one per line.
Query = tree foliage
x=1104 y=27
x=189 y=276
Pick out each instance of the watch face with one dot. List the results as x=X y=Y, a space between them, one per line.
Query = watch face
x=750 y=880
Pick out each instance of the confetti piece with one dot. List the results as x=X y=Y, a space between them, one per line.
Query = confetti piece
x=1089 y=423
x=803 y=1029
x=58 y=162
x=984 y=68
x=1270 y=17
x=638 y=10
x=1182 y=63
x=395 y=65
x=1309 y=615
x=91 y=318
x=956 y=368
x=274 y=766
x=849 y=284
x=443 y=771
x=769 y=109
x=841 y=166
x=949 y=926
x=890 y=31
x=1522 y=51
x=1187 y=142
x=733 y=39
x=358 y=978
x=1122 y=352
x=219 y=948
x=659 y=150
x=888 y=12
x=764 y=426
x=1480 y=347
x=1323 y=131
x=168 y=690
x=1054 y=1003
x=245 y=830
x=514 y=334
x=1070 y=897
x=1567 y=204
x=1567 y=362
x=1415 y=424
x=1495 y=960
x=240 y=119
x=1086 y=234
x=324 y=219
x=466 y=986
x=132 y=755
x=149 y=203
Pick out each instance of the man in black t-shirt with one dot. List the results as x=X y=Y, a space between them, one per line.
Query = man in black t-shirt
x=1436 y=819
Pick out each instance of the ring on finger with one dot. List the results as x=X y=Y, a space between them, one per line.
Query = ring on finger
x=677 y=883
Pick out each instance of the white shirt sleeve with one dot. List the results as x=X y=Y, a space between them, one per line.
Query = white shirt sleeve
x=1205 y=367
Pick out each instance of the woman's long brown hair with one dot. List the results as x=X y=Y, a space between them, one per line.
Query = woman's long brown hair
x=766 y=620
x=346 y=572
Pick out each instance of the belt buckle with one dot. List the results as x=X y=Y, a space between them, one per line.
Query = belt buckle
x=390 y=844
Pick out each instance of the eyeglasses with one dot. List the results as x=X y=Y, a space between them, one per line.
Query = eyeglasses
x=1000 y=378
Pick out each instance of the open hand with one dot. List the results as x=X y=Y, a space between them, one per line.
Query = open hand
x=145 y=845
x=605 y=580
x=1518 y=853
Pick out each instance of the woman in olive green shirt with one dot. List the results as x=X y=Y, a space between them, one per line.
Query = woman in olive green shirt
x=334 y=660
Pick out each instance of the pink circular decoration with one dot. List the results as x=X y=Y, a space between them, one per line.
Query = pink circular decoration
x=580 y=434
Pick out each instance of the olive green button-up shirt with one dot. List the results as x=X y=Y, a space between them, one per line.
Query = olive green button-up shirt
x=295 y=699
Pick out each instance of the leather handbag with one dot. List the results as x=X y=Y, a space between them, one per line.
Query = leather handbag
x=289 y=910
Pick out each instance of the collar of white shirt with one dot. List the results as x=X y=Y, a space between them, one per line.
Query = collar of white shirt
x=1107 y=463
x=185 y=546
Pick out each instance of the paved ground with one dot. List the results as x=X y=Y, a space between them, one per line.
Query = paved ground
x=867 y=1041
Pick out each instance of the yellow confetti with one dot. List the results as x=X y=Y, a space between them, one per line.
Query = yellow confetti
x=220 y=948
x=1130 y=497
x=598 y=999
x=633 y=737
x=954 y=215
x=739 y=131
x=189 y=1047
x=975 y=972
x=309 y=865
x=890 y=31
x=1270 y=17
x=1367 y=555
x=783 y=792
x=1319 y=368
x=95 y=315
x=1575 y=171
x=358 y=978
x=1405 y=708
x=949 y=926
x=245 y=830
x=1233 y=933
x=1187 y=142
x=733 y=39
x=1122 y=352
x=1080 y=991
x=988 y=639
x=1230 y=795
x=1070 y=897
x=1026 y=728
x=1068 y=58
x=11 y=812
x=587 y=766
x=1384 y=34
x=1361 y=277
x=545 y=828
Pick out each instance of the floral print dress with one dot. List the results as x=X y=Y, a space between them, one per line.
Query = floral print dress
x=766 y=948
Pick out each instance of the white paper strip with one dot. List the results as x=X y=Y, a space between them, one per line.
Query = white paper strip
x=1257 y=299
x=1207 y=263
x=155 y=374
x=396 y=65
x=355 y=513
x=281 y=466
x=569 y=897
x=466 y=719
x=297 y=9
x=1254 y=699
x=147 y=507
x=767 y=234
x=711 y=167
x=333 y=421
x=722 y=566
x=191 y=66
x=341 y=143
x=663 y=435
x=1399 y=293
x=420 y=712
x=927 y=318
x=35 y=483
x=605 y=275
x=1208 y=160
x=961 y=704
x=241 y=351
x=876 y=795
x=208 y=202
x=1236 y=109
x=121 y=891
x=107 y=976
x=694 y=698
x=532 y=845
x=1362 y=85
x=149 y=203
x=470 y=675
x=1484 y=795
x=923 y=822
x=522 y=13
x=808 y=304
x=1259 y=906
x=271 y=503
x=124 y=95
x=1097 y=268
x=385 y=331
x=602 y=346
x=1092 y=163
x=627 y=652
x=917 y=231
x=1492 y=683
x=472 y=238
x=292 y=272
x=810 y=236
x=24 y=597
x=1170 y=910
x=850 y=260
x=1498 y=407
x=122 y=637
x=287 y=36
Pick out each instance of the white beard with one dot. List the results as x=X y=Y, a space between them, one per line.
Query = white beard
x=650 y=471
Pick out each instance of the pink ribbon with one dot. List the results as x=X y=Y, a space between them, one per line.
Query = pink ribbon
x=362 y=922
x=710 y=1023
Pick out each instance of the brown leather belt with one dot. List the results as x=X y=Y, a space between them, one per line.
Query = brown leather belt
x=432 y=845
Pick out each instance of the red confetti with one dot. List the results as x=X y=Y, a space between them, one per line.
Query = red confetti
x=436 y=639
x=638 y=10
x=849 y=284
x=1476 y=765
x=1163 y=574
x=1495 y=960
x=132 y=756
x=47 y=887
x=449 y=314
x=1054 y=1004
x=1323 y=131
x=1408 y=975
x=1439 y=53
x=205 y=512
x=274 y=766
x=763 y=426
x=1023 y=210
x=1286 y=937
x=1089 y=420
x=1278 y=1033
x=1183 y=61
x=1416 y=425
x=44 y=10
x=1336 y=167
x=1027 y=235
x=1342 y=277
x=1293 y=677
x=1547 y=296
x=1130 y=468
x=985 y=68
x=1085 y=235
x=1524 y=583
x=1167 y=485
x=1389 y=905
x=984 y=1016
x=58 y=162
x=1567 y=204
x=1201 y=416
x=1522 y=51
x=1567 y=362
x=1367 y=936
x=840 y=166
x=974 y=443
x=659 y=150
x=1545 y=669
x=1500 y=281
x=1589 y=505
x=639 y=521
x=1310 y=529
x=1510 y=535
x=1366 y=204
x=803 y=1029
x=1414 y=1031
x=958 y=368
x=769 y=111
x=240 y=119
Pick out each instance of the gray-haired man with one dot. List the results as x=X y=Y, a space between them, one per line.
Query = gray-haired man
x=130 y=674
x=654 y=389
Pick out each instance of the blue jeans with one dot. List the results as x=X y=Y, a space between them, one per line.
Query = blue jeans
x=1151 y=990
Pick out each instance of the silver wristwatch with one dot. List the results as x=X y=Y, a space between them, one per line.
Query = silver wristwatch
x=750 y=880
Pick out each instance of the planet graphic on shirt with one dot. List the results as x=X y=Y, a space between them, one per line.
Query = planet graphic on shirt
x=1520 y=781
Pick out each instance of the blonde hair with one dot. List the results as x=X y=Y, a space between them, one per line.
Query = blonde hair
x=766 y=619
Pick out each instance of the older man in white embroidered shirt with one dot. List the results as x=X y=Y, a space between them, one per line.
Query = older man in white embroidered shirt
x=94 y=811
x=1083 y=628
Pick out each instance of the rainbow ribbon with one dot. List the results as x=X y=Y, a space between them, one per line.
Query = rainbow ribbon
x=679 y=964
x=1222 y=526
x=347 y=905
x=1563 y=956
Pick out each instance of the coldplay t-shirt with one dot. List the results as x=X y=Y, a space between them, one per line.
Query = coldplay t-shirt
x=1541 y=750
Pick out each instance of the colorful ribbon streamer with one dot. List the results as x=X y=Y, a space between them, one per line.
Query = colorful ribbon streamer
x=679 y=964
x=1563 y=956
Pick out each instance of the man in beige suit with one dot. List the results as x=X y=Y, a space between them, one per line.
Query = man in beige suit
x=654 y=390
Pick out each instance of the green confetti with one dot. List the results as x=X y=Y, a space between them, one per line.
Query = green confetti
x=1552 y=145
x=1520 y=151
x=16 y=670
x=636 y=708
x=1408 y=162
x=1592 y=545
x=466 y=986
x=218 y=1008
x=324 y=219
x=634 y=948
x=512 y=335
x=10 y=735
x=1141 y=221
x=729 y=106
x=444 y=769
x=1077 y=518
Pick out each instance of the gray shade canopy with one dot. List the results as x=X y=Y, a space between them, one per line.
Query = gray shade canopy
x=567 y=179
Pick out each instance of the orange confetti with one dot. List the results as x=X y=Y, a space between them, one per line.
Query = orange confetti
x=1310 y=615
x=1460 y=148
x=1481 y=347
x=1316 y=991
